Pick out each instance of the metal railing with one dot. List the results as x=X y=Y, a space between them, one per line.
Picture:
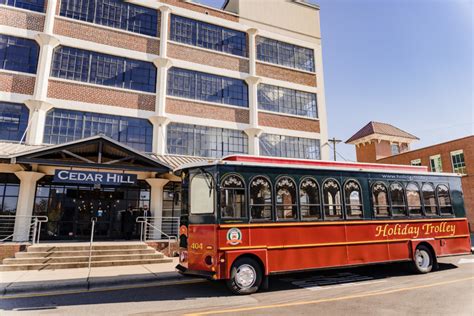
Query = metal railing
x=31 y=233
x=93 y=220
x=155 y=228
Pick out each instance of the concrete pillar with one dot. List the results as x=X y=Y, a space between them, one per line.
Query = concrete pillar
x=26 y=199
x=164 y=27
x=159 y=133
x=49 y=18
x=254 y=143
x=252 y=34
x=162 y=66
x=47 y=44
x=156 y=204
x=252 y=82
x=37 y=118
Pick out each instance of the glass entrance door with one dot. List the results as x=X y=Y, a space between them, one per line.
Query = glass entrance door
x=70 y=209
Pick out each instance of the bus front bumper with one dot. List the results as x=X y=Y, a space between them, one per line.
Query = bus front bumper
x=198 y=273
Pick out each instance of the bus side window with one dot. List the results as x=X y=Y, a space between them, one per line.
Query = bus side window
x=310 y=202
x=397 y=199
x=332 y=199
x=413 y=199
x=233 y=197
x=429 y=199
x=260 y=198
x=380 y=199
x=353 y=198
x=286 y=205
x=444 y=200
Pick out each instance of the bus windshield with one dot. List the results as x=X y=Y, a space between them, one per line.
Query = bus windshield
x=202 y=194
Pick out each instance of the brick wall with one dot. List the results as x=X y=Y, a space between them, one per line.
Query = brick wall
x=24 y=20
x=8 y=250
x=284 y=74
x=444 y=149
x=197 y=8
x=107 y=37
x=366 y=152
x=17 y=83
x=208 y=58
x=216 y=112
x=99 y=95
x=288 y=122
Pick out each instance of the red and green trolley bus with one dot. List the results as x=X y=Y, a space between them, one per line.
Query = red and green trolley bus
x=245 y=218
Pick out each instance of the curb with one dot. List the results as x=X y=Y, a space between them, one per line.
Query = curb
x=91 y=285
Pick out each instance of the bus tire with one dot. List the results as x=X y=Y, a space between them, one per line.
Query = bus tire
x=245 y=276
x=423 y=260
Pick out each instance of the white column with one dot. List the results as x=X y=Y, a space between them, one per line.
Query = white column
x=156 y=207
x=159 y=133
x=165 y=18
x=37 y=118
x=252 y=34
x=323 y=124
x=254 y=141
x=47 y=44
x=26 y=198
x=253 y=131
x=49 y=18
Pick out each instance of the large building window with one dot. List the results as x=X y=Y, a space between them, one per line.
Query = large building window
x=289 y=147
x=18 y=54
x=203 y=141
x=459 y=164
x=66 y=125
x=13 y=121
x=33 y=5
x=9 y=189
x=206 y=87
x=436 y=164
x=210 y=36
x=289 y=55
x=113 y=13
x=86 y=66
x=284 y=100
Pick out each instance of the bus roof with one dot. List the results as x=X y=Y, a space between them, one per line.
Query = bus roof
x=248 y=160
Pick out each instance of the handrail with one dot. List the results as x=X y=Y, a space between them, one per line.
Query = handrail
x=93 y=220
x=34 y=228
x=143 y=220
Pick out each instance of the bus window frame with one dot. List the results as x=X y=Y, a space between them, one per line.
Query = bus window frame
x=295 y=219
x=246 y=202
x=437 y=210
x=452 y=214
x=361 y=199
x=272 y=204
x=374 y=205
x=201 y=171
x=321 y=212
x=421 y=200
x=341 y=196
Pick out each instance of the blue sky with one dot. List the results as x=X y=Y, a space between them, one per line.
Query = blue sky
x=404 y=62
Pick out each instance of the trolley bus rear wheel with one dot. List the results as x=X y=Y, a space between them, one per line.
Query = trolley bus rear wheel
x=423 y=260
x=245 y=276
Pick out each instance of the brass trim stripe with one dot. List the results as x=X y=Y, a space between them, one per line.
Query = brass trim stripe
x=341 y=223
x=346 y=243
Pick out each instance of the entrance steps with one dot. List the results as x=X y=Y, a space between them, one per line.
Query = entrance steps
x=76 y=255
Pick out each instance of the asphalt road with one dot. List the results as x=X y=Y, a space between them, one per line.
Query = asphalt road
x=374 y=290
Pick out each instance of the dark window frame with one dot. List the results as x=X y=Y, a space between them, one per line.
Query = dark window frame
x=8 y=120
x=18 y=54
x=420 y=200
x=450 y=205
x=334 y=205
x=31 y=5
x=347 y=199
x=376 y=205
x=404 y=206
x=318 y=205
x=298 y=147
x=436 y=213
x=244 y=201
x=271 y=204
x=294 y=205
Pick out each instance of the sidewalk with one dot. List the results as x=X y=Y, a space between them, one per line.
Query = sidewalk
x=72 y=280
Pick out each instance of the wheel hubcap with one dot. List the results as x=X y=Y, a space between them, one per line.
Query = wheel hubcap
x=422 y=259
x=245 y=276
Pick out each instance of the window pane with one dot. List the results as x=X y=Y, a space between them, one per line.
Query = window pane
x=429 y=199
x=260 y=199
x=210 y=36
x=332 y=200
x=309 y=199
x=353 y=198
x=380 y=199
x=33 y=5
x=233 y=197
x=113 y=13
x=9 y=187
x=289 y=147
x=13 y=121
x=18 y=54
x=413 y=199
x=286 y=199
x=202 y=194
x=459 y=165
x=444 y=199
x=397 y=197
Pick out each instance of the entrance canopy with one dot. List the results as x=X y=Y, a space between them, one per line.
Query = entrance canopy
x=93 y=152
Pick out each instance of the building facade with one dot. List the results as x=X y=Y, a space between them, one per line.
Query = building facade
x=456 y=156
x=158 y=83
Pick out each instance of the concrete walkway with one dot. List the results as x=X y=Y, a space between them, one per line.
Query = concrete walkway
x=70 y=280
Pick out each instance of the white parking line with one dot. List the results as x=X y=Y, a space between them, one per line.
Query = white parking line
x=319 y=288
x=464 y=260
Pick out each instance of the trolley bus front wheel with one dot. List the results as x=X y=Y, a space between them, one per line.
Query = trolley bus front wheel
x=245 y=276
x=423 y=260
